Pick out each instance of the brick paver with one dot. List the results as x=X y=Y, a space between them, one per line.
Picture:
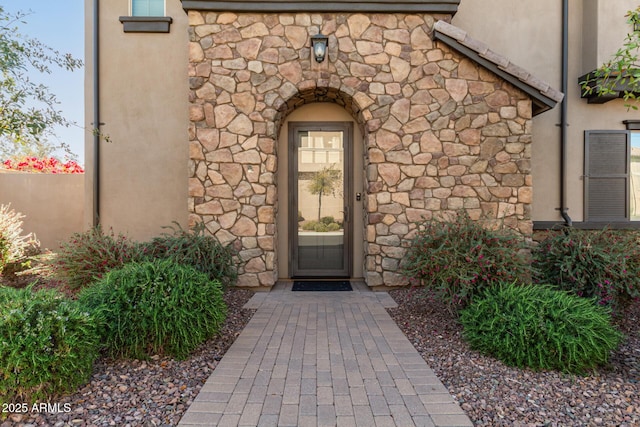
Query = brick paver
x=323 y=359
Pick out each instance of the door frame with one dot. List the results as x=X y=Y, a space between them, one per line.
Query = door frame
x=292 y=172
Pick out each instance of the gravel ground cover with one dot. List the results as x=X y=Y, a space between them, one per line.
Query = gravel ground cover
x=154 y=392
x=157 y=392
x=493 y=394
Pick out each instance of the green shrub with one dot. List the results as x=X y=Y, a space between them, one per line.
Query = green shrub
x=326 y=220
x=15 y=246
x=87 y=256
x=333 y=227
x=602 y=264
x=541 y=328
x=320 y=228
x=155 y=307
x=458 y=259
x=309 y=226
x=196 y=249
x=47 y=345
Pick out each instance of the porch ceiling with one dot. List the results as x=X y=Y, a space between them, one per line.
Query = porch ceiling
x=543 y=96
x=368 y=6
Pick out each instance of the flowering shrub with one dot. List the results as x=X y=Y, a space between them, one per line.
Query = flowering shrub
x=460 y=258
x=44 y=165
x=601 y=264
x=87 y=256
x=14 y=246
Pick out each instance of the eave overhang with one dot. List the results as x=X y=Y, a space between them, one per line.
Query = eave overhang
x=543 y=96
x=284 y=6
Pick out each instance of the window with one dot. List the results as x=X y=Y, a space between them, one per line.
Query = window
x=612 y=176
x=147 y=8
x=147 y=16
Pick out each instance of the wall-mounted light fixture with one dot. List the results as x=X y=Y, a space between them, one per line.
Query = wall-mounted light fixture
x=319 y=46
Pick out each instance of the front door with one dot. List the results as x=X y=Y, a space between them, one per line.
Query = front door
x=320 y=222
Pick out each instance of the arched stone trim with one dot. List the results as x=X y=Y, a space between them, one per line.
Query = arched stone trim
x=320 y=91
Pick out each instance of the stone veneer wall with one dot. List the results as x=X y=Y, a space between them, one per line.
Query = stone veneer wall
x=441 y=133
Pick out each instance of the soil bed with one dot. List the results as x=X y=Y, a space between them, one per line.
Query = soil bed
x=493 y=394
x=158 y=391
x=154 y=392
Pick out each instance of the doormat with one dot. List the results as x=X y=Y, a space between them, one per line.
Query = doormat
x=312 y=286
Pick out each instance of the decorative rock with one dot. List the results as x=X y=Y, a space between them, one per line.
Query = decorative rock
x=244 y=227
x=357 y=25
x=399 y=69
x=210 y=208
x=231 y=172
x=241 y=125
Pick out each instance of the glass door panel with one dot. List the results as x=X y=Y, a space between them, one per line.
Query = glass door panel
x=319 y=198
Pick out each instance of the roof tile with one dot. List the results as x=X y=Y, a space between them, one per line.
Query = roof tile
x=496 y=58
x=518 y=72
x=482 y=50
x=475 y=45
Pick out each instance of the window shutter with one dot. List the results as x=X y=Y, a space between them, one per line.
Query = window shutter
x=147 y=7
x=607 y=157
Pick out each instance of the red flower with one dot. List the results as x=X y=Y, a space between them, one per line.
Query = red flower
x=45 y=165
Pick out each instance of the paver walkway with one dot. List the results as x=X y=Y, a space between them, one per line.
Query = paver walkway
x=323 y=359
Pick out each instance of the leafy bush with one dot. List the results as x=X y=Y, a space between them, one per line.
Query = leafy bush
x=47 y=345
x=326 y=220
x=458 y=259
x=320 y=228
x=196 y=249
x=310 y=226
x=333 y=227
x=87 y=256
x=15 y=246
x=541 y=328
x=602 y=264
x=155 y=307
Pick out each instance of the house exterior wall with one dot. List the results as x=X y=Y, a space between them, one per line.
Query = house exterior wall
x=441 y=133
x=530 y=33
x=144 y=108
x=176 y=139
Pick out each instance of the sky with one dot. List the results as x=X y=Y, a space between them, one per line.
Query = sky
x=59 y=25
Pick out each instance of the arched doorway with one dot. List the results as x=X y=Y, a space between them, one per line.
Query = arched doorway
x=320 y=231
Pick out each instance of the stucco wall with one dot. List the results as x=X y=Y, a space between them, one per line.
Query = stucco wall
x=143 y=178
x=53 y=204
x=530 y=34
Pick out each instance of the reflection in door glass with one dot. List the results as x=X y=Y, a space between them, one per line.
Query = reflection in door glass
x=634 y=191
x=320 y=200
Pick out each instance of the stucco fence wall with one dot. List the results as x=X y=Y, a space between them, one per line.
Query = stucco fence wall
x=53 y=204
